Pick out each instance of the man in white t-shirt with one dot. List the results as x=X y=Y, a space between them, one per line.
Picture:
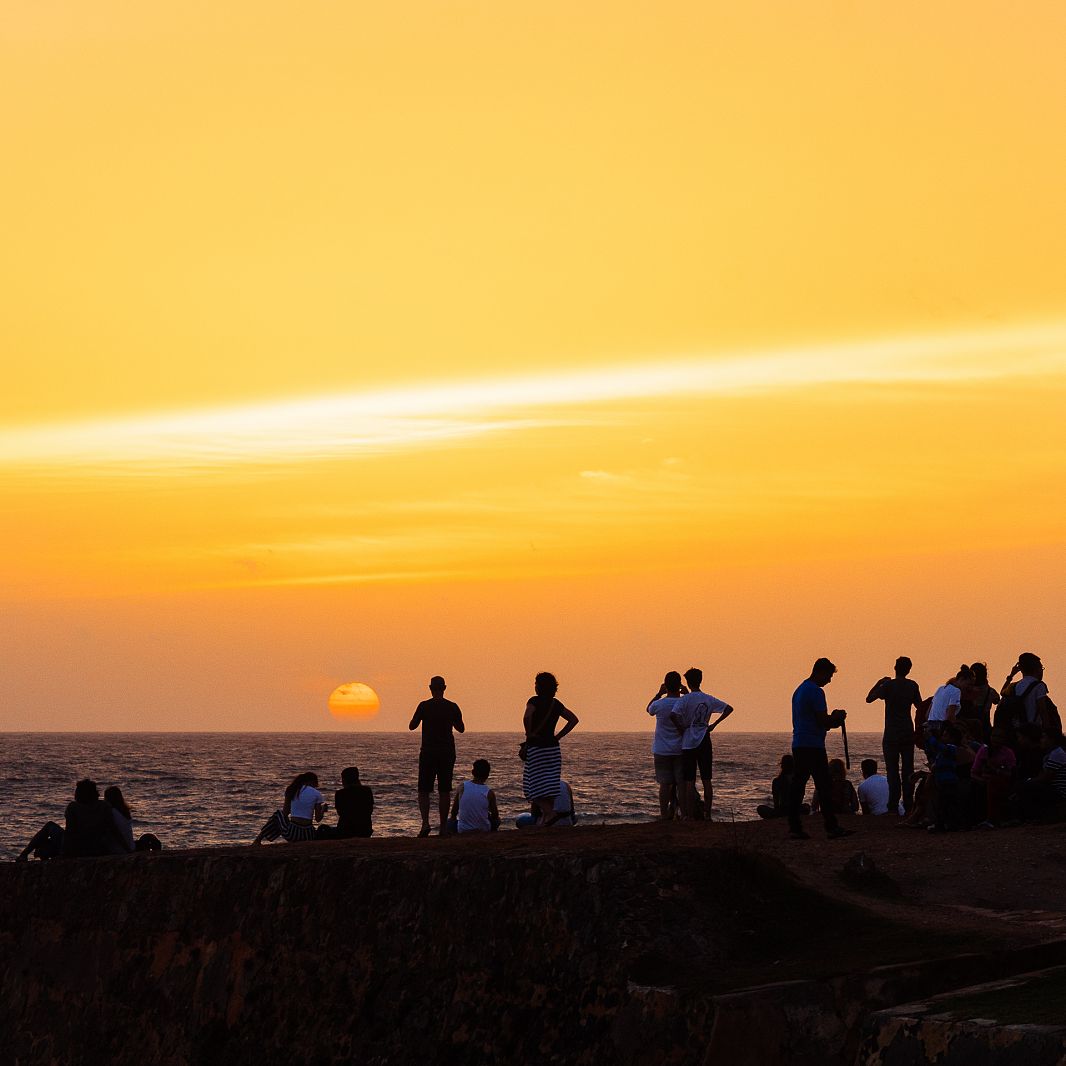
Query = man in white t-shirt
x=695 y=709
x=666 y=746
x=873 y=792
x=944 y=706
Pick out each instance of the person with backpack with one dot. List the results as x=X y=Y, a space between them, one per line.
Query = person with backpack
x=1027 y=700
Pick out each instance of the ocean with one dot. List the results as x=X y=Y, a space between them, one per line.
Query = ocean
x=214 y=789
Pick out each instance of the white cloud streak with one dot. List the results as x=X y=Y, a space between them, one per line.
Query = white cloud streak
x=378 y=422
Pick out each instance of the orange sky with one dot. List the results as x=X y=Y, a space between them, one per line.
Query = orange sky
x=359 y=344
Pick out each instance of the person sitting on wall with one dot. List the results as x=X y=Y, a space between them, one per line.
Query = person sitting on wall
x=474 y=808
x=779 y=787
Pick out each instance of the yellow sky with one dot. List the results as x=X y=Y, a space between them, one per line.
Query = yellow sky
x=367 y=342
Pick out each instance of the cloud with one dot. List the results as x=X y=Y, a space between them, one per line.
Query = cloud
x=385 y=421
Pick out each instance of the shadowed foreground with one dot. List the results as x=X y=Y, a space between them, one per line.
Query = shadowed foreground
x=585 y=946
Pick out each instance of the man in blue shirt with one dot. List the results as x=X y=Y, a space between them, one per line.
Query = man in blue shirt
x=810 y=722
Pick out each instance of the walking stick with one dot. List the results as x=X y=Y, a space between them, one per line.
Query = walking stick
x=844 y=737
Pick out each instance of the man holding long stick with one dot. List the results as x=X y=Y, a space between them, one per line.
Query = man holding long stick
x=811 y=721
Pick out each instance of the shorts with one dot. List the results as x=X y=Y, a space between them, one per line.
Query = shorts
x=435 y=766
x=669 y=769
x=701 y=758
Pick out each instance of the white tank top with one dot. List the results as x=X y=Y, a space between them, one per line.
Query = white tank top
x=474 y=808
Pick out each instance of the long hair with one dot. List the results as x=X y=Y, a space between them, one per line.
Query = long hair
x=113 y=795
x=298 y=782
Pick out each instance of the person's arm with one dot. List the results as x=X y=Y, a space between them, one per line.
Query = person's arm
x=953 y=710
x=494 y=811
x=527 y=718
x=320 y=808
x=836 y=719
x=455 y=802
x=570 y=718
x=875 y=693
x=853 y=799
x=458 y=723
x=417 y=719
x=655 y=699
x=726 y=711
x=1015 y=670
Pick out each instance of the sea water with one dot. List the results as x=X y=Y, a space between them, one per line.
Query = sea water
x=213 y=789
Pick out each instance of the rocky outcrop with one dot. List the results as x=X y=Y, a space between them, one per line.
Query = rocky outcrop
x=612 y=949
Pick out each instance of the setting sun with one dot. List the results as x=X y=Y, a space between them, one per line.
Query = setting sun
x=353 y=700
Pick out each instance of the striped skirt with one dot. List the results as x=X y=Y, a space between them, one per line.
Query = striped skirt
x=280 y=825
x=541 y=773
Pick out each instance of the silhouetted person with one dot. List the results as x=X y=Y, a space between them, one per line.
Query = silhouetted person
x=779 y=789
x=1028 y=700
x=90 y=828
x=304 y=806
x=978 y=700
x=900 y=694
x=436 y=758
x=811 y=721
x=844 y=798
x=121 y=816
x=697 y=755
x=355 y=806
x=667 y=744
x=875 y=791
x=474 y=809
x=543 y=759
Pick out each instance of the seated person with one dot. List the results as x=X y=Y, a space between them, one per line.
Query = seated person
x=873 y=792
x=993 y=771
x=90 y=828
x=942 y=748
x=562 y=811
x=354 y=802
x=1045 y=793
x=474 y=808
x=779 y=792
x=843 y=796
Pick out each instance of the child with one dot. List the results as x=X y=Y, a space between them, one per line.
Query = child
x=474 y=808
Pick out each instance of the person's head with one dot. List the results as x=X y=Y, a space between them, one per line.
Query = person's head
x=952 y=734
x=114 y=797
x=1030 y=665
x=869 y=768
x=481 y=770
x=1050 y=739
x=980 y=673
x=788 y=764
x=85 y=791
x=350 y=776
x=437 y=685
x=903 y=666
x=300 y=781
x=672 y=683
x=694 y=677
x=544 y=684
x=964 y=676
x=822 y=672
x=837 y=770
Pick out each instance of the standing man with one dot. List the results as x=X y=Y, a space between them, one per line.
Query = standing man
x=695 y=709
x=436 y=759
x=900 y=695
x=811 y=721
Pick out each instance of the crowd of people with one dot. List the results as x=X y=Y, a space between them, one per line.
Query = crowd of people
x=991 y=758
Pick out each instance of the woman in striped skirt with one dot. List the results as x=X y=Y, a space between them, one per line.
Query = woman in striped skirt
x=544 y=760
x=304 y=805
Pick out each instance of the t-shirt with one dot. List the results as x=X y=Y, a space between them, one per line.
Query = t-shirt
x=90 y=829
x=438 y=717
x=1029 y=690
x=999 y=763
x=303 y=803
x=124 y=826
x=944 y=697
x=873 y=791
x=696 y=709
x=900 y=695
x=1055 y=761
x=474 y=808
x=355 y=806
x=564 y=804
x=808 y=710
x=945 y=760
x=668 y=737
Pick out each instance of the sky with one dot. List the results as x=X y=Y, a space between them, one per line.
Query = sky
x=369 y=342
